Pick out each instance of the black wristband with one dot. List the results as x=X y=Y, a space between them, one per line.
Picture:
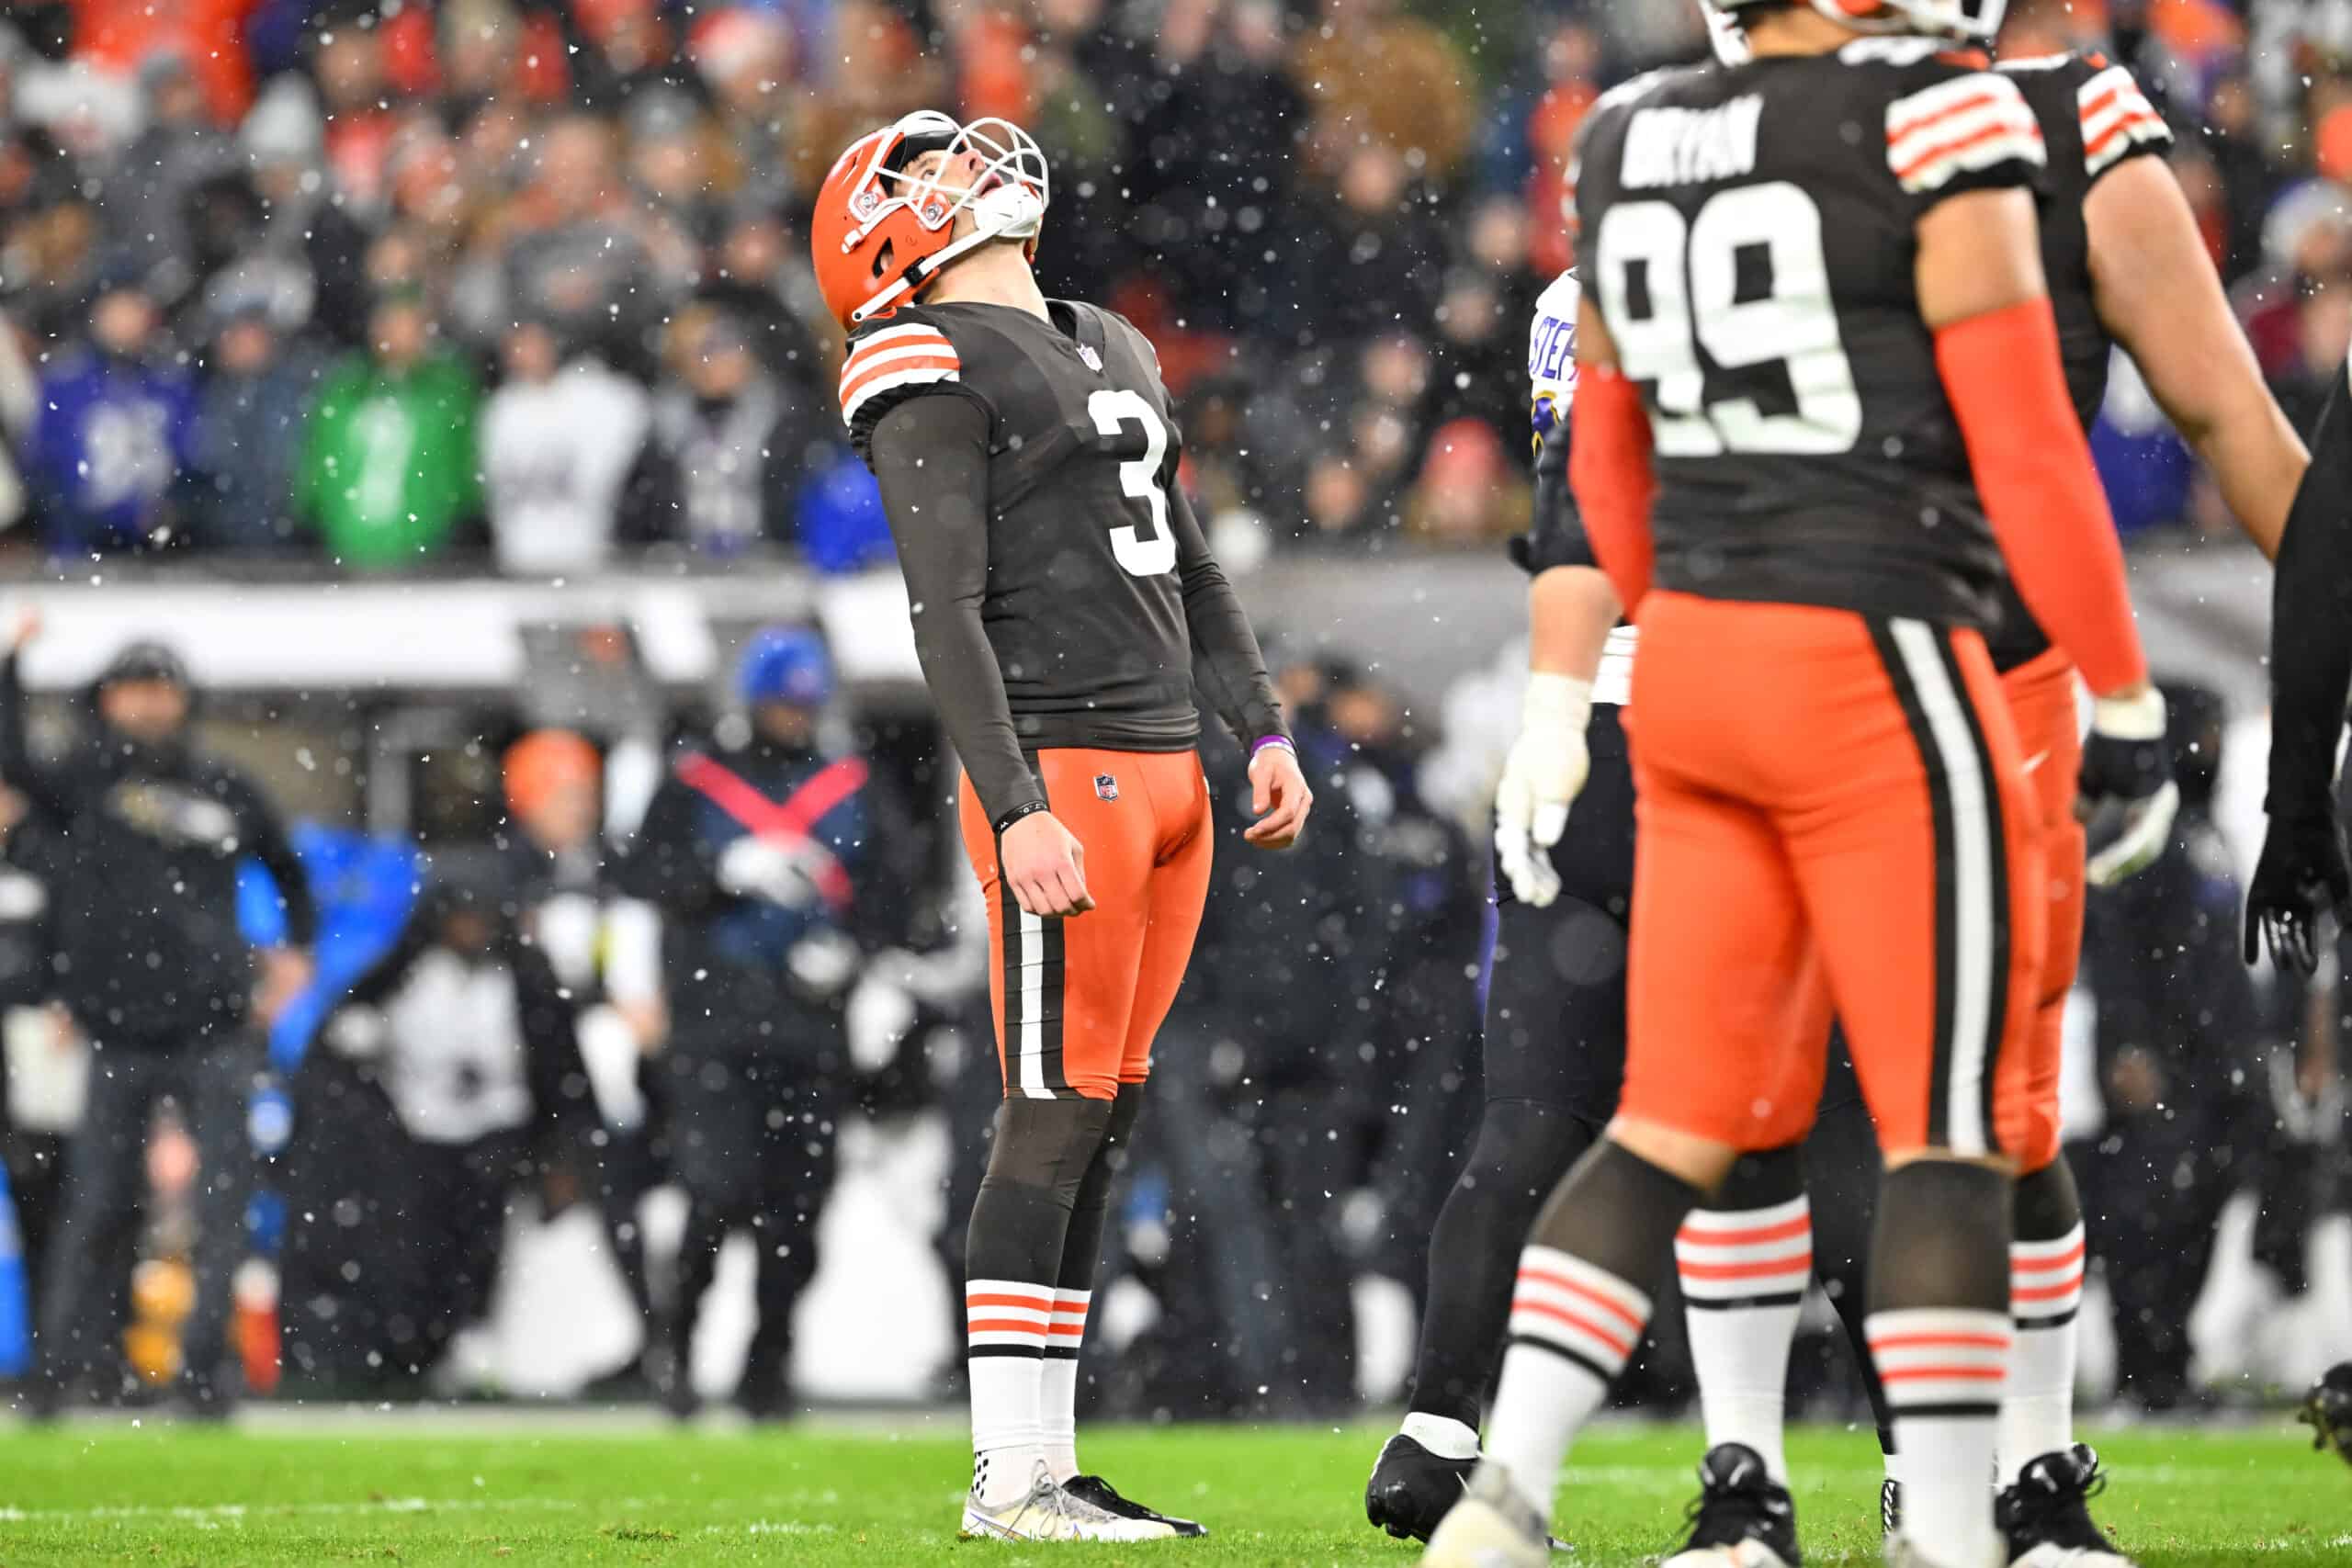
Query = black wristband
x=1026 y=809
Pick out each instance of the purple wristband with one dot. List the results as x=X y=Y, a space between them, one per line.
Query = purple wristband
x=1281 y=740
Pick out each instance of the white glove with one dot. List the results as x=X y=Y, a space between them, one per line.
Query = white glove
x=822 y=964
x=2127 y=785
x=1541 y=778
x=358 y=1032
x=754 y=867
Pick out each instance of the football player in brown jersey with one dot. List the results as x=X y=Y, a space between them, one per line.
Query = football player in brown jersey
x=2125 y=266
x=1071 y=623
x=1823 y=396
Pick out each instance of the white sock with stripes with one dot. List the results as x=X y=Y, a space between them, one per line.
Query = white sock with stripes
x=1943 y=1368
x=1744 y=1274
x=1005 y=1333
x=2038 y=1402
x=1573 y=1327
x=1057 y=1384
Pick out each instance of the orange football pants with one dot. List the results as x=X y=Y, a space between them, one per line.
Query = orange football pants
x=1079 y=999
x=2041 y=703
x=1833 y=815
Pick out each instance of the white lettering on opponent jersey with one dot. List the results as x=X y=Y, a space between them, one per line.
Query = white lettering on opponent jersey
x=1551 y=352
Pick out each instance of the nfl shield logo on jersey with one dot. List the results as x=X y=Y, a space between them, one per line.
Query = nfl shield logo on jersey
x=1093 y=363
x=1106 y=787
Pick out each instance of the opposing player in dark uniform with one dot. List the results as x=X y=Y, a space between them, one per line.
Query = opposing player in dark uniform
x=2124 y=263
x=2304 y=872
x=1821 y=399
x=1066 y=612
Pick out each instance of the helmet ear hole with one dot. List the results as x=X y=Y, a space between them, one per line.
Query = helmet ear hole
x=882 y=259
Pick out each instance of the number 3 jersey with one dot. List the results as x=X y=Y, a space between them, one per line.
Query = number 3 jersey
x=1093 y=585
x=1749 y=235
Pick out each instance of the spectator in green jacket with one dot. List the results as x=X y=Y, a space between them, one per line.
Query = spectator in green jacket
x=389 y=473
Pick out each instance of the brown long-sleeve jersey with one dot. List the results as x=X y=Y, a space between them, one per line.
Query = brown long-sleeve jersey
x=1063 y=592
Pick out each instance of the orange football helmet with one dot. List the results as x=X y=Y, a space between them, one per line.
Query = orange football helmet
x=880 y=236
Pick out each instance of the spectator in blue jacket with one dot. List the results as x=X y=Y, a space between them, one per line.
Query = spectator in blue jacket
x=112 y=434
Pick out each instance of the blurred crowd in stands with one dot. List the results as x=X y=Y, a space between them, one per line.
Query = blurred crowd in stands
x=385 y=284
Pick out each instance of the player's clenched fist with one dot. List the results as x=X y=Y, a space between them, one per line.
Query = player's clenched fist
x=1044 y=865
x=1279 y=798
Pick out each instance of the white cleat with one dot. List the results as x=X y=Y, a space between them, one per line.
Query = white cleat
x=1490 y=1528
x=1048 y=1513
x=2049 y=1556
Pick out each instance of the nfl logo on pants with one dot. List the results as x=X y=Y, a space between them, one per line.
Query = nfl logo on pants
x=1106 y=787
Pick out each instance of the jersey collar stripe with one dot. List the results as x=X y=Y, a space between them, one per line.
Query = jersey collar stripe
x=890 y=383
x=913 y=353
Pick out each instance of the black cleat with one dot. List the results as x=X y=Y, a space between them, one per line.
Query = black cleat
x=2045 y=1519
x=1103 y=1494
x=1890 y=1507
x=1743 y=1519
x=2327 y=1410
x=1411 y=1488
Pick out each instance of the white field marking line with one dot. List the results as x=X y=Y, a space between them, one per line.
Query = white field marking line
x=2339 y=1542
x=239 y=1512
x=217 y=1514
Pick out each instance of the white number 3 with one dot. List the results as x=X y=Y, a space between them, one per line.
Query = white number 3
x=1139 y=477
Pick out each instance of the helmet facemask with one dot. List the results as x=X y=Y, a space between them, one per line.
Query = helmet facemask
x=1006 y=198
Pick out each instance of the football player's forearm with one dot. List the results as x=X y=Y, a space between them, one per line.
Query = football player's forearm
x=1609 y=468
x=2258 y=460
x=2158 y=294
x=1569 y=612
x=959 y=666
x=1228 y=666
x=2032 y=464
x=930 y=460
x=2310 y=619
x=1556 y=535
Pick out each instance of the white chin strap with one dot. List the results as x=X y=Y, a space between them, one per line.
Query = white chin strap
x=1011 y=212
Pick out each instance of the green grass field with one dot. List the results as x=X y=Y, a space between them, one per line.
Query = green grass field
x=334 y=1492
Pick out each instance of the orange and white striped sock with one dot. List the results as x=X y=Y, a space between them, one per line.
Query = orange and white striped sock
x=1574 y=1325
x=1057 y=1382
x=1943 y=1368
x=2038 y=1402
x=1744 y=1274
x=1006 y=1326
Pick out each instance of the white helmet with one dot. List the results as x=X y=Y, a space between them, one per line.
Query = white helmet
x=1976 y=20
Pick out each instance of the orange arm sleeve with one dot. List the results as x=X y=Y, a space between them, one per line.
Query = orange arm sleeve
x=1608 y=471
x=2033 y=469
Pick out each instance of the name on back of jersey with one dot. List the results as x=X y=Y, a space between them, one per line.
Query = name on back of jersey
x=1669 y=146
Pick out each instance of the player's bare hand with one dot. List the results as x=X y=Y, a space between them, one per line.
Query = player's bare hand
x=1044 y=865
x=23 y=627
x=285 y=974
x=1279 y=798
